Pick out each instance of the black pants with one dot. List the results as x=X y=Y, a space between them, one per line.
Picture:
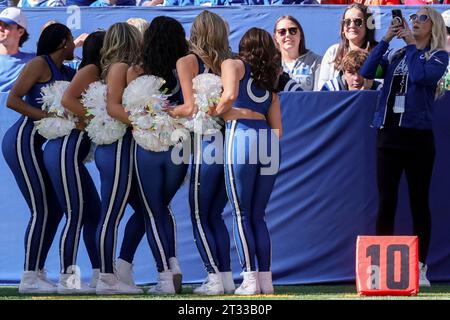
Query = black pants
x=418 y=167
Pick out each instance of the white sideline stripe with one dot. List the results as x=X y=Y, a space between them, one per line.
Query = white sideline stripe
x=44 y=198
x=80 y=197
x=30 y=191
x=174 y=228
x=127 y=192
x=235 y=199
x=67 y=197
x=205 y=243
x=111 y=204
x=152 y=219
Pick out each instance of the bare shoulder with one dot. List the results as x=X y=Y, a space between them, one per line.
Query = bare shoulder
x=188 y=59
x=133 y=72
x=119 y=67
x=233 y=64
x=90 y=70
x=37 y=63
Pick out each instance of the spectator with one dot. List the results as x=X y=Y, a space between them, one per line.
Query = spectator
x=446 y=16
x=300 y=63
x=139 y=23
x=349 y=78
x=13 y=34
x=285 y=83
x=405 y=141
x=355 y=34
x=41 y=3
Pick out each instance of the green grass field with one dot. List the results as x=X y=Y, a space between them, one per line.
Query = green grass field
x=306 y=292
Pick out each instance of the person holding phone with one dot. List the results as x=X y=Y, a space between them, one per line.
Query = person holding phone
x=403 y=117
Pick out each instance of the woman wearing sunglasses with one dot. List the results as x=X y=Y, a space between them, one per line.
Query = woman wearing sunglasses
x=301 y=64
x=356 y=34
x=404 y=120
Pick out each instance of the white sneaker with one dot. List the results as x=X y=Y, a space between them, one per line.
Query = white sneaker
x=31 y=283
x=164 y=285
x=94 y=278
x=228 y=282
x=265 y=282
x=124 y=271
x=70 y=283
x=423 y=280
x=109 y=283
x=177 y=276
x=212 y=286
x=42 y=274
x=250 y=285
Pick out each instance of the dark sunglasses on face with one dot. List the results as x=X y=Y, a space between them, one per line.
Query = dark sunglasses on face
x=292 y=31
x=358 y=22
x=422 y=18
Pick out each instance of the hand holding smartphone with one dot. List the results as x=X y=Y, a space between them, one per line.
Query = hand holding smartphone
x=397 y=17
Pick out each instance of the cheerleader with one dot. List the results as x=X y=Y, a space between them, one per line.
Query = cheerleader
x=76 y=192
x=158 y=176
x=22 y=149
x=251 y=109
x=115 y=160
x=207 y=195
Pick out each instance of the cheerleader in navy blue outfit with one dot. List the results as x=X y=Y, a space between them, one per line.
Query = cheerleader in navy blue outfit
x=207 y=194
x=251 y=109
x=159 y=177
x=22 y=149
x=115 y=161
x=76 y=191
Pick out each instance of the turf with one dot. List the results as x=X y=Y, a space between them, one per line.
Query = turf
x=305 y=292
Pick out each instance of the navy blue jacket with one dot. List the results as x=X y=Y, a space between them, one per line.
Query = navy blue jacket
x=422 y=78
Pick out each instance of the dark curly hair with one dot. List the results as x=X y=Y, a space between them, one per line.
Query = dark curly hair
x=164 y=43
x=257 y=48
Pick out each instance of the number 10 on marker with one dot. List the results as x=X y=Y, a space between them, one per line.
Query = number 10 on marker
x=387 y=265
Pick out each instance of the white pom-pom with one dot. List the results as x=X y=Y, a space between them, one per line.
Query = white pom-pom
x=207 y=90
x=142 y=91
x=152 y=128
x=60 y=121
x=102 y=129
x=54 y=127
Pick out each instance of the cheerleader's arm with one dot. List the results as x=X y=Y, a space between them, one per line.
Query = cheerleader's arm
x=116 y=81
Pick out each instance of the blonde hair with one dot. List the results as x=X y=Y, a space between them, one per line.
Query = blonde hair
x=209 y=40
x=438 y=31
x=121 y=44
x=139 y=23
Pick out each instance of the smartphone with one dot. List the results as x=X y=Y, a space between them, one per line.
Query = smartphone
x=397 y=17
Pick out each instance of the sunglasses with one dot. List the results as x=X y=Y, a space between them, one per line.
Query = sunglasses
x=422 y=18
x=358 y=22
x=292 y=31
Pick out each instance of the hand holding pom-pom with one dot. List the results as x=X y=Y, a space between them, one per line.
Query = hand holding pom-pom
x=207 y=88
x=152 y=126
x=102 y=129
x=60 y=121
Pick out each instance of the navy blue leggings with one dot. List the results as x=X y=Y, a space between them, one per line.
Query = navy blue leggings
x=133 y=234
x=207 y=199
x=118 y=188
x=159 y=179
x=249 y=190
x=22 y=150
x=77 y=195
